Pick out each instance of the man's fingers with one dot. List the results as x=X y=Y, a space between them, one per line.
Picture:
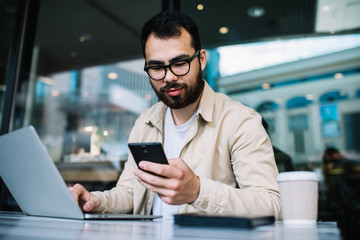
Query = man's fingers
x=177 y=183
x=88 y=206
x=168 y=195
x=159 y=169
x=77 y=191
x=154 y=188
x=84 y=198
x=150 y=178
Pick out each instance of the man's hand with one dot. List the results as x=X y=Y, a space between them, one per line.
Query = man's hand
x=87 y=201
x=176 y=184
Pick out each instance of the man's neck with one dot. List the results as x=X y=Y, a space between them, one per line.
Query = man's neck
x=182 y=115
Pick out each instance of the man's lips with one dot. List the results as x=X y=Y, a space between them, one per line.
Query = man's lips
x=174 y=91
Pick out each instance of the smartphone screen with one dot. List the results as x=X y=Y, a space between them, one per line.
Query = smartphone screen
x=148 y=151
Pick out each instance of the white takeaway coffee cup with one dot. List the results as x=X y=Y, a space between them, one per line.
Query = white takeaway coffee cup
x=298 y=198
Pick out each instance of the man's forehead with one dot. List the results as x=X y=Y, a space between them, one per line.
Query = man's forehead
x=184 y=36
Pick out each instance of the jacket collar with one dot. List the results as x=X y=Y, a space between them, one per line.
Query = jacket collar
x=206 y=105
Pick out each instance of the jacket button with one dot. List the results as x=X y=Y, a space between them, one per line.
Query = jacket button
x=204 y=204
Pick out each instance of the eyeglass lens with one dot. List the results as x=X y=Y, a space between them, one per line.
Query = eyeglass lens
x=178 y=68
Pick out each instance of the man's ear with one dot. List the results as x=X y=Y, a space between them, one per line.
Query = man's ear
x=202 y=57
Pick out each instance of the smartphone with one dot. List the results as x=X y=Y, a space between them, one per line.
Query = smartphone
x=148 y=151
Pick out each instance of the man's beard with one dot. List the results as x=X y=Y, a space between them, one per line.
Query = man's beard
x=191 y=93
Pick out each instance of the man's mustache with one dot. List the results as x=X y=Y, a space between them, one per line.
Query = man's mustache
x=168 y=86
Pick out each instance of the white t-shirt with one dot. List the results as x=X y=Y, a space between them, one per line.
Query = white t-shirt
x=174 y=141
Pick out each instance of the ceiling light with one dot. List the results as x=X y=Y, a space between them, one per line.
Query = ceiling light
x=338 y=75
x=55 y=93
x=342 y=93
x=256 y=11
x=325 y=8
x=82 y=39
x=90 y=129
x=85 y=38
x=223 y=30
x=200 y=7
x=265 y=85
x=309 y=97
x=85 y=94
x=112 y=75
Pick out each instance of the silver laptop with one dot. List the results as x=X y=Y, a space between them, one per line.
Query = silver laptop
x=35 y=182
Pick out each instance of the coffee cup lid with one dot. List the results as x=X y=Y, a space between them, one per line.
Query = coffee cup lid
x=297 y=176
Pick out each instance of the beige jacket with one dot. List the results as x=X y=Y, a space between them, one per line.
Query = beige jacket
x=228 y=149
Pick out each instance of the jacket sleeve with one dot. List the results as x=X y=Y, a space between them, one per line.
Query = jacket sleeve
x=255 y=170
x=120 y=199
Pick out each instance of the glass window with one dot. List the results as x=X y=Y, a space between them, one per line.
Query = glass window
x=315 y=86
x=247 y=57
x=352 y=131
x=87 y=86
x=297 y=102
x=8 y=10
x=334 y=96
x=8 y=14
x=267 y=106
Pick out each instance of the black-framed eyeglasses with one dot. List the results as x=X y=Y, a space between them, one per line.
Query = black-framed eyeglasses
x=178 y=68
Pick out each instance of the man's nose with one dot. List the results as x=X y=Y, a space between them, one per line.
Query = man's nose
x=169 y=75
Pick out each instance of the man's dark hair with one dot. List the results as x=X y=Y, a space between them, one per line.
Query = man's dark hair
x=168 y=24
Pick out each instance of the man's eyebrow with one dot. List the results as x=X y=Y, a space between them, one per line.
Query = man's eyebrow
x=155 y=62
x=180 y=57
x=175 y=59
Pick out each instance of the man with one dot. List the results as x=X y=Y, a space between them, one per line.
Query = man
x=220 y=158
